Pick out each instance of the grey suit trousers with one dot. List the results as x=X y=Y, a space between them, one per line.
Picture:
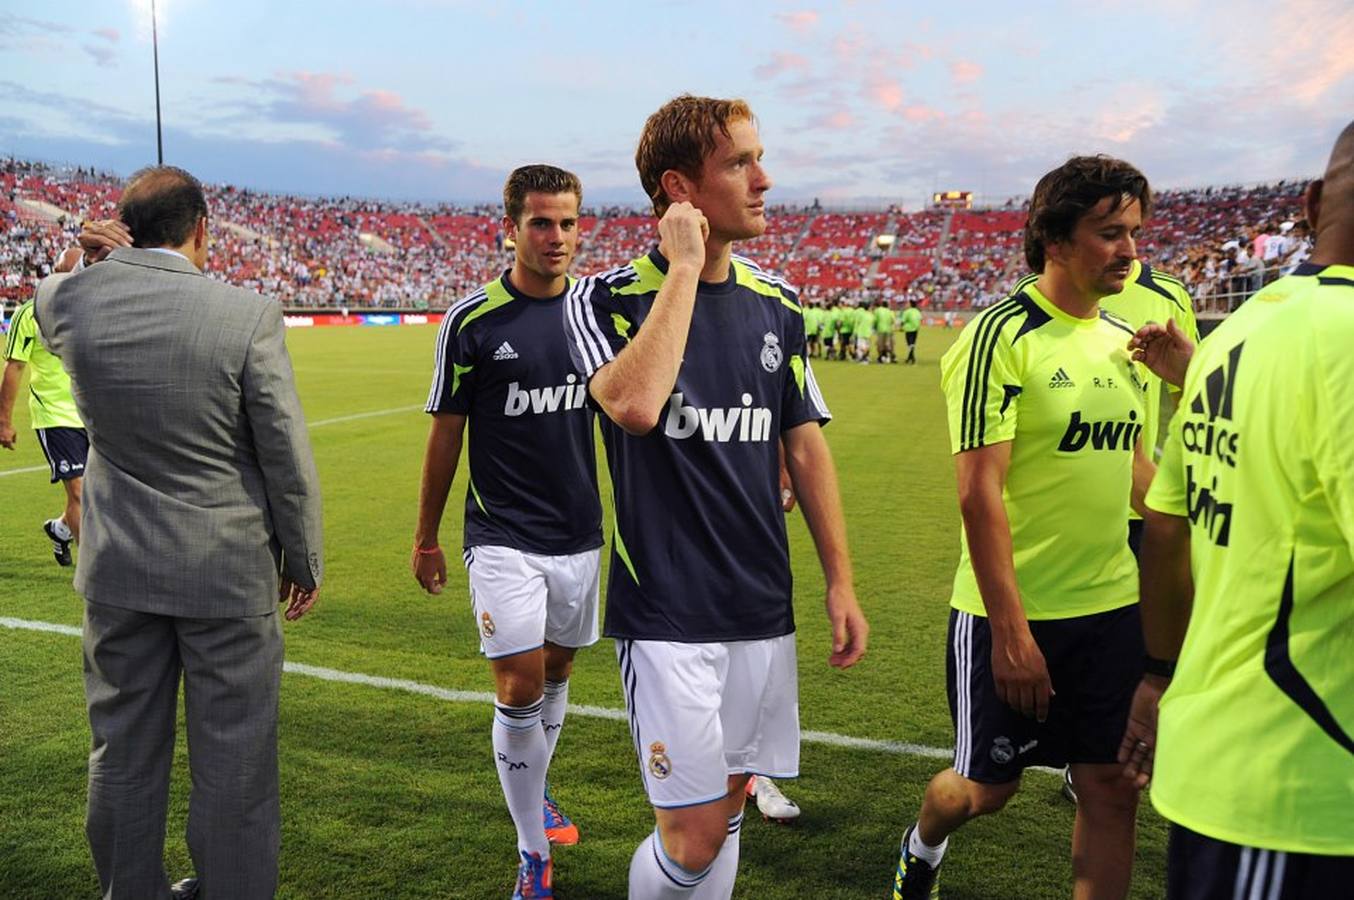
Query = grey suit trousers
x=231 y=671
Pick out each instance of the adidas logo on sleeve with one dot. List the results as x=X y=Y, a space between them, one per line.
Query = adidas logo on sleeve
x=505 y=351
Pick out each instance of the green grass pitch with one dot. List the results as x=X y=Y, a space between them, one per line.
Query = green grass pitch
x=387 y=793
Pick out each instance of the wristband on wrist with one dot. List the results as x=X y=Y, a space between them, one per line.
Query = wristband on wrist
x=428 y=551
x=1163 y=668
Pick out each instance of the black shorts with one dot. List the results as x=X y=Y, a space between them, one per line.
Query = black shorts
x=1095 y=663
x=67 y=451
x=911 y=338
x=1203 y=868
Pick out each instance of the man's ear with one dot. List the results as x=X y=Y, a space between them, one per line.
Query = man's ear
x=676 y=186
x=1053 y=252
x=1311 y=202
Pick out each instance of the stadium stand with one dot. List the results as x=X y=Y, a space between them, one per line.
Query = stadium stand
x=1224 y=243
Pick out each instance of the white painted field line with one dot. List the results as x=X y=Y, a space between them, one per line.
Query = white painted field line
x=39 y=626
x=899 y=748
x=365 y=415
x=4 y=472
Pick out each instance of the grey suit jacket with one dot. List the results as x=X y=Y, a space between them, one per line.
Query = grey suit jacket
x=200 y=487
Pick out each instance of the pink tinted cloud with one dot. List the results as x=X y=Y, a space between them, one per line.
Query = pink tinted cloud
x=841 y=120
x=888 y=94
x=801 y=21
x=920 y=112
x=965 y=71
x=111 y=35
x=781 y=63
x=317 y=88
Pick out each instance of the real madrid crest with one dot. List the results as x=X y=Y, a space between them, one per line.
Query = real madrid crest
x=487 y=625
x=772 y=356
x=659 y=764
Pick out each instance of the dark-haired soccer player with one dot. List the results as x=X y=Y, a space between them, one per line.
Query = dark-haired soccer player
x=532 y=515
x=1149 y=296
x=697 y=357
x=1045 y=648
x=1248 y=577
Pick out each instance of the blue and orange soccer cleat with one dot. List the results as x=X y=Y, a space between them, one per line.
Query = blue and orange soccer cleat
x=559 y=828
x=533 y=878
x=915 y=878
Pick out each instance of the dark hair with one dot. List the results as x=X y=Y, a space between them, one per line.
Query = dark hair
x=1069 y=192
x=541 y=179
x=679 y=136
x=161 y=206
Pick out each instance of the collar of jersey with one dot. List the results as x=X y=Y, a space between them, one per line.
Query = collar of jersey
x=507 y=285
x=1334 y=270
x=728 y=286
x=1048 y=306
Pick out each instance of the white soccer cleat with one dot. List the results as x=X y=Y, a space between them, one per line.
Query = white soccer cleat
x=773 y=805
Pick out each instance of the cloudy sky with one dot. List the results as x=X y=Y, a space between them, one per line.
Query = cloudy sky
x=438 y=99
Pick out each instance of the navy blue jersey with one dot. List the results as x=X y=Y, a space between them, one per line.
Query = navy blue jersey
x=503 y=361
x=700 y=552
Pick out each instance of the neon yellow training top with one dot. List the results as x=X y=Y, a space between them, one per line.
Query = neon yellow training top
x=1067 y=395
x=1256 y=732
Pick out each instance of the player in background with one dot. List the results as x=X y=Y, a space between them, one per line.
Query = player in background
x=1045 y=646
x=51 y=409
x=1248 y=584
x=51 y=405
x=864 y=330
x=532 y=515
x=836 y=339
x=910 y=320
x=697 y=358
x=846 y=331
x=813 y=327
x=884 y=323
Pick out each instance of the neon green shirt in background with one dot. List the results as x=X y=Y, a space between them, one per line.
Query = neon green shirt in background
x=911 y=319
x=883 y=320
x=813 y=320
x=1256 y=733
x=846 y=320
x=864 y=322
x=50 y=404
x=1067 y=395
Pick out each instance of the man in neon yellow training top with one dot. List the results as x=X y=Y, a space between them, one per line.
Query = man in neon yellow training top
x=51 y=407
x=911 y=322
x=1045 y=646
x=883 y=331
x=1248 y=576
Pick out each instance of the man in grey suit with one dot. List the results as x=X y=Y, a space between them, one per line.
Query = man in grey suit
x=202 y=512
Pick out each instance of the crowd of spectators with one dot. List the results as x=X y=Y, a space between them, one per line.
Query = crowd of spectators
x=357 y=253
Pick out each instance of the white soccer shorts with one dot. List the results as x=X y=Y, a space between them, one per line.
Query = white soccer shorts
x=521 y=600
x=702 y=712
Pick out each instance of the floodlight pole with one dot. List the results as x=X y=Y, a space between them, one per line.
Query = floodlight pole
x=155 y=49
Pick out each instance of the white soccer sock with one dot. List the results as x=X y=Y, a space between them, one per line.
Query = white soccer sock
x=552 y=714
x=521 y=758
x=924 y=851
x=62 y=530
x=653 y=876
x=718 y=885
